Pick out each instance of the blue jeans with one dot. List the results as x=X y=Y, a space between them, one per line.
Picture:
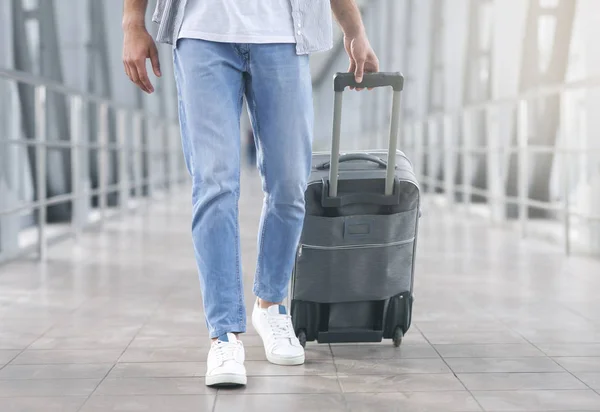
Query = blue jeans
x=212 y=79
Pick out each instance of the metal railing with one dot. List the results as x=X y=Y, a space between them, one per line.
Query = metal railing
x=143 y=156
x=451 y=151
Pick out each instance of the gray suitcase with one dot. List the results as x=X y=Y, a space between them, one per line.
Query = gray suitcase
x=354 y=269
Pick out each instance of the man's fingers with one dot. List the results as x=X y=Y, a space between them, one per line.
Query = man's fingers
x=371 y=65
x=359 y=72
x=155 y=60
x=126 y=69
x=376 y=69
x=352 y=66
x=143 y=75
x=135 y=77
x=351 y=69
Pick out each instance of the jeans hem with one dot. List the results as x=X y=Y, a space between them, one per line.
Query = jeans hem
x=269 y=297
x=228 y=329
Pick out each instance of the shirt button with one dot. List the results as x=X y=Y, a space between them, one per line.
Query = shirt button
x=299 y=24
x=299 y=32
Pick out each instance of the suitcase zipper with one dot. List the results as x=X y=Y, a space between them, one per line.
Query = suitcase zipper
x=345 y=247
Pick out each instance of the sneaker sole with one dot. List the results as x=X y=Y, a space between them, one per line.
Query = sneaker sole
x=285 y=361
x=226 y=379
x=279 y=360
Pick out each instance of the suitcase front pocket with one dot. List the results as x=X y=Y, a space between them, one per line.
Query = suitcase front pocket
x=355 y=258
x=359 y=230
x=353 y=273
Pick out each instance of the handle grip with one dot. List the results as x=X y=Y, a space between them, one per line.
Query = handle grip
x=381 y=79
x=355 y=156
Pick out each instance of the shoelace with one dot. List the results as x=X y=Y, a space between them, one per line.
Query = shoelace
x=226 y=351
x=281 y=327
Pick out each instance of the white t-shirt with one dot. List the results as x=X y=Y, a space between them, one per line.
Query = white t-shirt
x=239 y=21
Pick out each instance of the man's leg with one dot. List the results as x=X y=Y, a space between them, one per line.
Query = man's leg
x=280 y=100
x=210 y=85
x=279 y=95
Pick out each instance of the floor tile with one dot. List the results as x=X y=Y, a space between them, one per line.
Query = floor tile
x=525 y=401
x=7 y=355
x=170 y=342
x=30 y=326
x=57 y=371
x=576 y=328
x=400 y=383
x=164 y=355
x=519 y=381
x=170 y=403
x=153 y=386
x=41 y=404
x=158 y=370
x=104 y=329
x=457 y=401
x=592 y=379
x=47 y=387
x=461 y=326
x=588 y=336
x=514 y=365
x=383 y=352
x=474 y=337
x=16 y=340
x=35 y=356
x=310 y=367
x=281 y=402
x=170 y=328
x=82 y=342
x=313 y=351
x=488 y=351
x=390 y=366
x=289 y=384
x=570 y=349
x=579 y=364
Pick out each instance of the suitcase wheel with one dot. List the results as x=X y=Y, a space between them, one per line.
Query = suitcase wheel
x=398 y=335
x=301 y=334
x=302 y=337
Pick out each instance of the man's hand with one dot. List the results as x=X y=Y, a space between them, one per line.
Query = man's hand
x=138 y=46
x=362 y=57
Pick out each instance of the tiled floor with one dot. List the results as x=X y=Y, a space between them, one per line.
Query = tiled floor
x=114 y=323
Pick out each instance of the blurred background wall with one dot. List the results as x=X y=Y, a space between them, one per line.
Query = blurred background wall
x=500 y=110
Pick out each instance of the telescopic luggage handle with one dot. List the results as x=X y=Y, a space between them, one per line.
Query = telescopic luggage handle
x=382 y=79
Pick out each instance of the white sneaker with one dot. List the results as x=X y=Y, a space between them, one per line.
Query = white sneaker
x=225 y=364
x=275 y=328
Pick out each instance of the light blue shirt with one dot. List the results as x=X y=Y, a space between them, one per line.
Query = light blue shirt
x=312 y=23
